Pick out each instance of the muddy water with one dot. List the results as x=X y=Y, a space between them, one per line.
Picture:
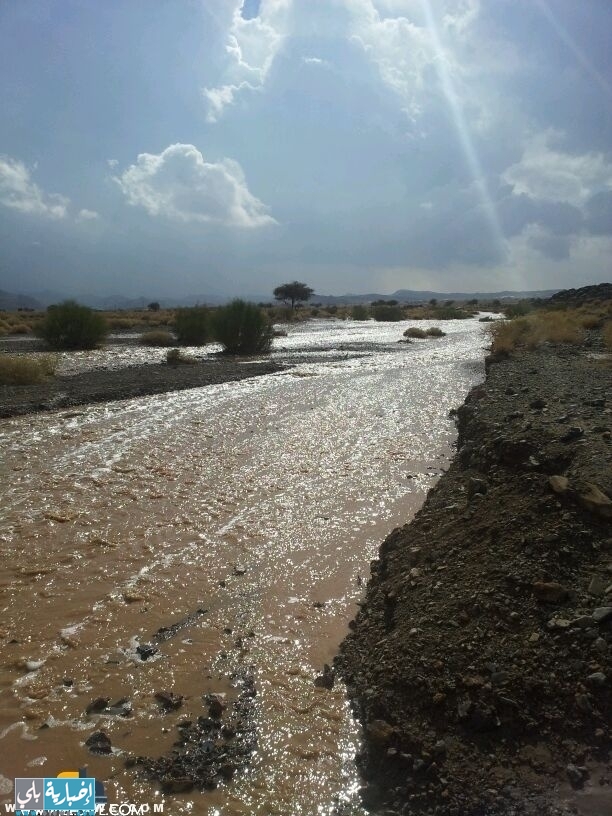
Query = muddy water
x=261 y=502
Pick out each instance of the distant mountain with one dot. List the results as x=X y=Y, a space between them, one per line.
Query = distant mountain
x=417 y=296
x=42 y=299
x=10 y=302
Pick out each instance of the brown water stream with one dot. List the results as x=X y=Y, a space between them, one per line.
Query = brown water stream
x=262 y=502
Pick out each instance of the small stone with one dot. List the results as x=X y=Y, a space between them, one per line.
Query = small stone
x=549 y=592
x=168 y=700
x=146 y=651
x=98 y=705
x=575 y=432
x=559 y=484
x=99 y=743
x=538 y=404
x=582 y=622
x=595 y=501
x=597 y=679
x=602 y=614
x=239 y=569
x=439 y=749
x=476 y=487
x=216 y=707
x=534 y=637
x=576 y=775
x=600 y=645
x=380 y=732
x=327 y=679
x=597 y=586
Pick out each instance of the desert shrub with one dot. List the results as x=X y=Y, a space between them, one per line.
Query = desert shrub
x=529 y=332
x=607 y=334
x=242 y=328
x=591 y=322
x=386 y=313
x=435 y=331
x=20 y=328
x=191 y=326
x=175 y=356
x=487 y=319
x=415 y=332
x=159 y=338
x=360 y=312
x=519 y=309
x=448 y=313
x=17 y=370
x=72 y=326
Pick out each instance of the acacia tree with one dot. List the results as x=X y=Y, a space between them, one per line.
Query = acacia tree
x=293 y=293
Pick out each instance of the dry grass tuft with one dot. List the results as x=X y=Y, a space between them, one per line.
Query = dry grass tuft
x=158 y=338
x=22 y=370
x=435 y=331
x=539 y=327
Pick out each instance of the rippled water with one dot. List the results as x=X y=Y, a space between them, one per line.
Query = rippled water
x=122 y=518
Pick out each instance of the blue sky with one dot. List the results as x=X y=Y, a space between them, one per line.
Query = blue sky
x=189 y=146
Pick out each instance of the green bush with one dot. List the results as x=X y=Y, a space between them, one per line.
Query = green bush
x=360 y=312
x=191 y=326
x=387 y=313
x=415 y=332
x=72 y=326
x=242 y=328
x=15 y=370
x=157 y=338
x=435 y=331
x=519 y=309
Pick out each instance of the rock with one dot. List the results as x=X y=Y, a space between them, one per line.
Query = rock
x=380 y=732
x=538 y=404
x=559 y=484
x=582 y=622
x=327 y=679
x=597 y=585
x=239 y=569
x=33 y=665
x=597 y=679
x=602 y=614
x=99 y=743
x=98 y=705
x=146 y=650
x=168 y=700
x=576 y=775
x=216 y=706
x=575 y=432
x=476 y=487
x=595 y=501
x=549 y=592
x=122 y=708
x=439 y=749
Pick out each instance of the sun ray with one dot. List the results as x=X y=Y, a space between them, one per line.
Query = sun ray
x=463 y=131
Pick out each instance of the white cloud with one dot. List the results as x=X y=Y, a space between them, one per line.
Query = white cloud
x=88 y=215
x=552 y=175
x=19 y=192
x=251 y=47
x=178 y=183
x=112 y=162
x=396 y=35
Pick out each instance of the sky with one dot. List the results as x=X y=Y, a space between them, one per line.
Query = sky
x=164 y=148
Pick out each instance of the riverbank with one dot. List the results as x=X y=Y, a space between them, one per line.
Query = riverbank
x=480 y=662
x=103 y=385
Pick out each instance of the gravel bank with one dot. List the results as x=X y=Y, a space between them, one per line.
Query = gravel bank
x=480 y=664
x=133 y=381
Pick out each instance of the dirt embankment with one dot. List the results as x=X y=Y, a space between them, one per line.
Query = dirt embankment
x=480 y=664
x=102 y=385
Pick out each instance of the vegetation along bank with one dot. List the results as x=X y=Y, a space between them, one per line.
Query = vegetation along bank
x=480 y=663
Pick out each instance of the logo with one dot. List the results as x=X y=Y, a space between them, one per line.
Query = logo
x=69 y=791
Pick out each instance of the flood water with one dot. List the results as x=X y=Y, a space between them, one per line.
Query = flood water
x=261 y=501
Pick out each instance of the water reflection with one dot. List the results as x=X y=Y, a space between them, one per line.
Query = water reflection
x=262 y=502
